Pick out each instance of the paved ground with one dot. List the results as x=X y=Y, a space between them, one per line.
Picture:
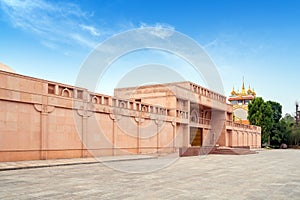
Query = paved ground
x=63 y=162
x=272 y=174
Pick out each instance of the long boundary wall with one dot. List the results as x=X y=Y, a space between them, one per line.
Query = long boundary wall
x=41 y=119
x=46 y=120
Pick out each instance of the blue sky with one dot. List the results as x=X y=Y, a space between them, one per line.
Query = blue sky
x=255 y=39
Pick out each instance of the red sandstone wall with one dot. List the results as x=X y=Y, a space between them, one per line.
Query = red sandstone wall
x=41 y=123
x=20 y=131
x=45 y=120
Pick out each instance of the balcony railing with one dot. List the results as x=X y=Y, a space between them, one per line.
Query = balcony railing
x=182 y=114
x=207 y=93
x=245 y=126
x=202 y=121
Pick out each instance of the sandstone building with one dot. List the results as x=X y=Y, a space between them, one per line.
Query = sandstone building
x=41 y=119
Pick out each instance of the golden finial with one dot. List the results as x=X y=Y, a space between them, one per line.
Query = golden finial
x=249 y=90
x=253 y=93
x=243 y=88
x=233 y=91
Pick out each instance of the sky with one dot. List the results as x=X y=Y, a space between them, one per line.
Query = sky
x=255 y=39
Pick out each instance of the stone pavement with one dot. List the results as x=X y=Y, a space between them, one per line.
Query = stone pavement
x=271 y=174
x=74 y=161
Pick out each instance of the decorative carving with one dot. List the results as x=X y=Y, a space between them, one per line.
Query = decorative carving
x=85 y=110
x=158 y=121
x=115 y=117
x=195 y=116
x=116 y=113
x=173 y=122
x=43 y=108
x=95 y=100
x=144 y=109
x=66 y=92
x=122 y=104
x=139 y=118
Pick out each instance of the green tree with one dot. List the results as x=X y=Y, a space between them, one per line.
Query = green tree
x=295 y=136
x=277 y=110
x=260 y=113
x=282 y=132
x=287 y=132
x=278 y=128
x=289 y=122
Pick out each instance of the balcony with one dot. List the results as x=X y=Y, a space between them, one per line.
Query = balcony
x=200 y=121
x=232 y=125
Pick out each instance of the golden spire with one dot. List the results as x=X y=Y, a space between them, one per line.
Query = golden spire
x=253 y=93
x=233 y=93
x=243 y=88
x=249 y=91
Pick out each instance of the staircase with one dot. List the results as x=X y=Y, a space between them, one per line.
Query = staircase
x=232 y=151
x=196 y=151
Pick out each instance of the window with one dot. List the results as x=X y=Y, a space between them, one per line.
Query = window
x=79 y=94
x=51 y=89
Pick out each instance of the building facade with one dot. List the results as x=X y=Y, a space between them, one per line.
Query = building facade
x=240 y=101
x=42 y=119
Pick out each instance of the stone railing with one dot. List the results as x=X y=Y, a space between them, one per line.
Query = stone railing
x=207 y=93
x=202 y=121
x=244 y=126
x=182 y=114
x=100 y=99
x=138 y=106
x=65 y=91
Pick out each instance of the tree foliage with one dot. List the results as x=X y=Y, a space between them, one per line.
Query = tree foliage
x=277 y=136
x=276 y=129
x=277 y=110
x=295 y=136
x=260 y=113
x=282 y=131
x=291 y=131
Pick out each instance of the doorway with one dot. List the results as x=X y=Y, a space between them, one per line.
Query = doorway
x=195 y=136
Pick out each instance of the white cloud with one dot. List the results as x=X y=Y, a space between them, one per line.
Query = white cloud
x=48 y=44
x=53 y=23
x=57 y=24
x=92 y=30
x=213 y=43
x=83 y=41
x=160 y=30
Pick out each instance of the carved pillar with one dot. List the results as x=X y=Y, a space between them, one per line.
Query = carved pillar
x=248 y=138
x=158 y=121
x=139 y=120
x=174 y=134
x=237 y=138
x=85 y=113
x=44 y=109
x=115 y=118
x=56 y=90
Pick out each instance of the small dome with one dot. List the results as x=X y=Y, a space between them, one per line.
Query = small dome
x=6 y=68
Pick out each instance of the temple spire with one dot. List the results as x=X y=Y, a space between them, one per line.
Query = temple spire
x=243 y=87
x=233 y=91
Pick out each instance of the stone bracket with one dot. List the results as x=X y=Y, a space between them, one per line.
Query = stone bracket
x=139 y=117
x=43 y=108
x=84 y=110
